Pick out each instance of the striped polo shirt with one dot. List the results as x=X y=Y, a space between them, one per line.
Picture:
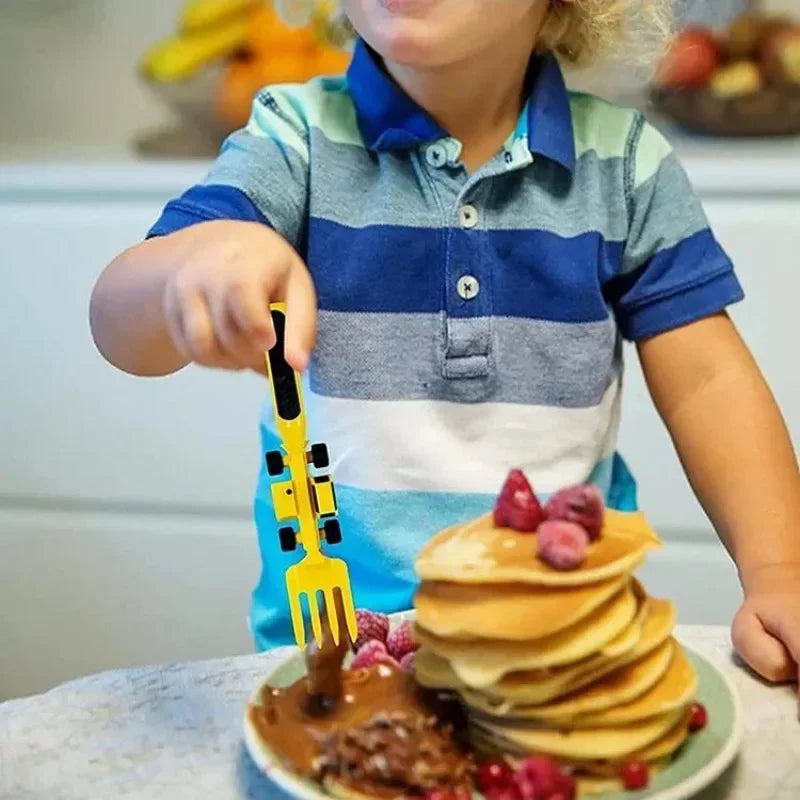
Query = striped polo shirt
x=468 y=323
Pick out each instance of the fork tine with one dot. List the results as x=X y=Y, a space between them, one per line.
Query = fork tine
x=313 y=610
x=332 y=612
x=298 y=624
x=349 y=608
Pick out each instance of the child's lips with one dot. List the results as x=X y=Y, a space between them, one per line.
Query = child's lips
x=405 y=6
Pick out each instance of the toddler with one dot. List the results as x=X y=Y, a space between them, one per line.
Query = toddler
x=463 y=246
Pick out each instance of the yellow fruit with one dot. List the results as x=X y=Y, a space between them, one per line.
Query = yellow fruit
x=737 y=79
x=180 y=57
x=199 y=14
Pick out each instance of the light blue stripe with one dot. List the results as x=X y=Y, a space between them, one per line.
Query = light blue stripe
x=383 y=534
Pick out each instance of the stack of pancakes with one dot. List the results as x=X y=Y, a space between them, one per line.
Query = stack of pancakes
x=578 y=665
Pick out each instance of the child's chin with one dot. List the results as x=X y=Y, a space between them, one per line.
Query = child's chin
x=410 y=45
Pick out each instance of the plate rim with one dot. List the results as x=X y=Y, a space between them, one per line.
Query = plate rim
x=687 y=788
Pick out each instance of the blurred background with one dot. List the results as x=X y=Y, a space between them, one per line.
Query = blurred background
x=125 y=505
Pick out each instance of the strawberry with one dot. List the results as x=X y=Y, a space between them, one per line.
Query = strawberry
x=371 y=626
x=541 y=778
x=517 y=507
x=371 y=654
x=562 y=545
x=582 y=505
x=401 y=641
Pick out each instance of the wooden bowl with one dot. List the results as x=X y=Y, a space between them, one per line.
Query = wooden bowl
x=773 y=111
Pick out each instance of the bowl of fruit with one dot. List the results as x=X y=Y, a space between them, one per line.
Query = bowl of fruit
x=224 y=51
x=742 y=81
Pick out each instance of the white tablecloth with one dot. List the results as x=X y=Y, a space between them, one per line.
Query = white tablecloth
x=174 y=733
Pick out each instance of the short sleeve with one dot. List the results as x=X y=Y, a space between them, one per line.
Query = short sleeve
x=260 y=175
x=673 y=270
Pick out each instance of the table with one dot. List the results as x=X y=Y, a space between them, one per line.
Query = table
x=174 y=733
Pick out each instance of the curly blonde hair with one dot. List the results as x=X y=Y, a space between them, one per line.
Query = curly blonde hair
x=586 y=31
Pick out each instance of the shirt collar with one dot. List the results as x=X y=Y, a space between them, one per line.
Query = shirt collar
x=390 y=120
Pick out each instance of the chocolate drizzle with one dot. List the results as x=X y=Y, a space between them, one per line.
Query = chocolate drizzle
x=374 y=730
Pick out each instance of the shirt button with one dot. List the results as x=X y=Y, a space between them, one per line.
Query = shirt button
x=468 y=217
x=468 y=287
x=436 y=155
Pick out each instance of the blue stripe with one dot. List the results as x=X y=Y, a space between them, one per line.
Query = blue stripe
x=383 y=532
x=677 y=286
x=203 y=204
x=396 y=269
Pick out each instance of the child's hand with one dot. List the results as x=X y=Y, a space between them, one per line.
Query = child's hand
x=766 y=631
x=216 y=302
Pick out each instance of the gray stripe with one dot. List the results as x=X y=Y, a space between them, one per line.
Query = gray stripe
x=666 y=211
x=271 y=174
x=357 y=188
x=402 y=357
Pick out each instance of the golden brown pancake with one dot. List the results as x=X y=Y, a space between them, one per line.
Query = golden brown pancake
x=513 y=611
x=479 y=552
x=481 y=663
x=597 y=704
x=611 y=743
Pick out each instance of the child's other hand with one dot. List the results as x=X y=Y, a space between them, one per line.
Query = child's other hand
x=216 y=303
x=766 y=631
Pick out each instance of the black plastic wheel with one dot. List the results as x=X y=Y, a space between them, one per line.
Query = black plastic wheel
x=275 y=463
x=333 y=531
x=288 y=539
x=319 y=456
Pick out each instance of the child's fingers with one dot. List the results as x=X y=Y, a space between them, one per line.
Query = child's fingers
x=249 y=308
x=198 y=331
x=760 y=650
x=301 y=317
x=236 y=346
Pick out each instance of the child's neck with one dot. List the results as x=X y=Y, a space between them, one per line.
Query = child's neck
x=477 y=102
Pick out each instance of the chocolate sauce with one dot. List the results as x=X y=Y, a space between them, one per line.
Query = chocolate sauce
x=374 y=730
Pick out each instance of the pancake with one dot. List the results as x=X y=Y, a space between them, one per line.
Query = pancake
x=673 y=690
x=513 y=611
x=481 y=663
x=478 y=552
x=607 y=743
x=602 y=702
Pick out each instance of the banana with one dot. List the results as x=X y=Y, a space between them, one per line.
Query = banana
x=180 y=57
x=197 y=15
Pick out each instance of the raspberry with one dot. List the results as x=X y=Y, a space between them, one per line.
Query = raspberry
x=401 y=641
x=371 y=626
x=503 y=793
x=562 y=545
x=699 y=717
x=582 y=505
x=635 y=775
x=494 y=775
x=371 y=654
x=517 y=507
x=541 y=778
x=407 y=662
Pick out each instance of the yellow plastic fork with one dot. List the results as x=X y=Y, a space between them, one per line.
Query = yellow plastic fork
x=308 y=500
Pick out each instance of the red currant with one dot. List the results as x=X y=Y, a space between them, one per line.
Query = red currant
x=635 y=775
x=494 y=775
x=699 y=717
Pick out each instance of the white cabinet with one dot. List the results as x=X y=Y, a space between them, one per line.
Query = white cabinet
x=125 y=504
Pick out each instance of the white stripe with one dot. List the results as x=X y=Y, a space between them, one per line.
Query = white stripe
x=453 y=447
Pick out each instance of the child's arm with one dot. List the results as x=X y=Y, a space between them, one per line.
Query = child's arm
x=199 y=287
x=739 y=458
x=201 y=294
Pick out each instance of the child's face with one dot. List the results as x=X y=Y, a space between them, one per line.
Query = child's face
x=437 y=33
